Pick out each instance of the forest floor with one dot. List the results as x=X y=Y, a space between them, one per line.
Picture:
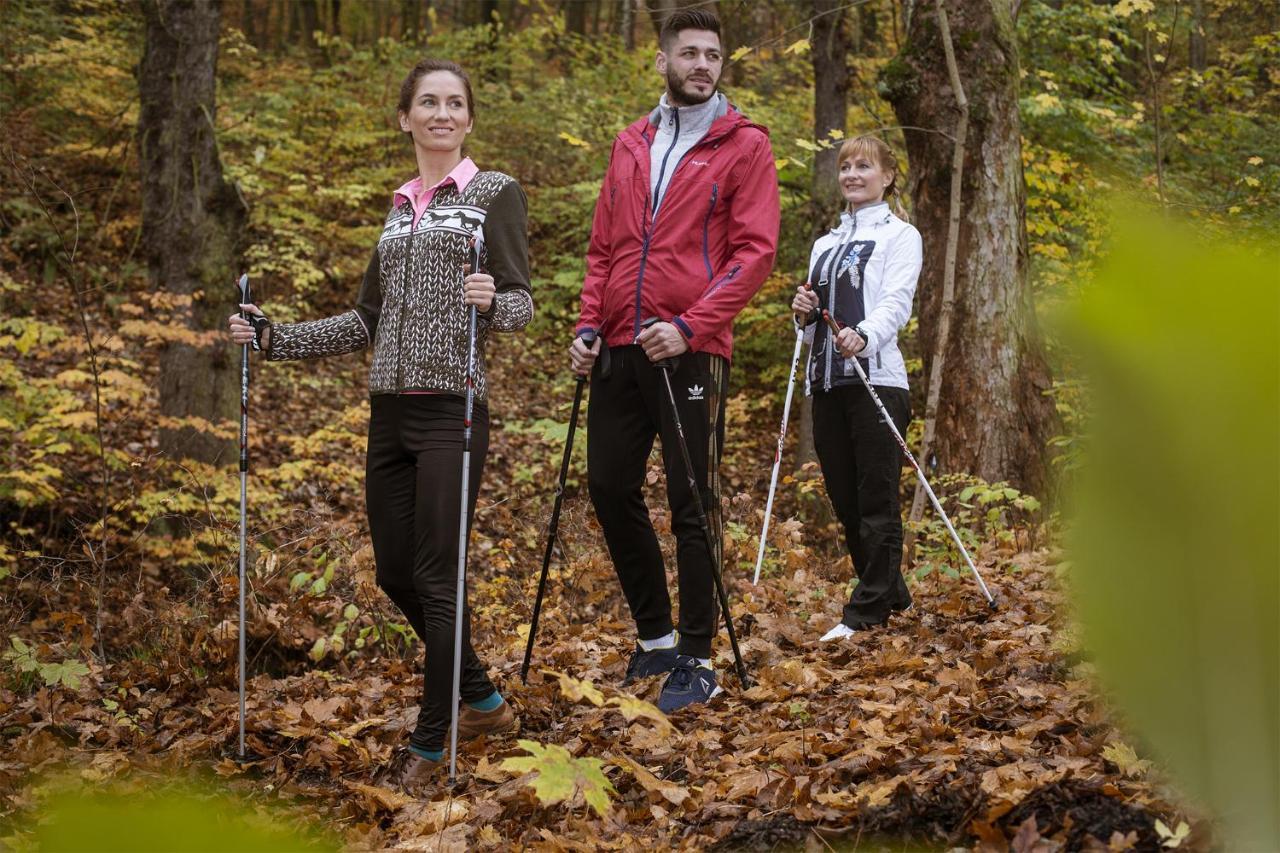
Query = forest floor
x=952 y=726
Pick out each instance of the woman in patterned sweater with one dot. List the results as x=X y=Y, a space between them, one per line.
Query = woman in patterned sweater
x=412 y=309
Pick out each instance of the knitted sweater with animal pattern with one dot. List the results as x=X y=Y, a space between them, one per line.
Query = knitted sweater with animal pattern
x=410 y=305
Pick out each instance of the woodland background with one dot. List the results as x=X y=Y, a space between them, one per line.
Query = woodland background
x=1097 y=394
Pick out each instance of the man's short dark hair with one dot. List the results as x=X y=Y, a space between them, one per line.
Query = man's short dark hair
x=687 y=19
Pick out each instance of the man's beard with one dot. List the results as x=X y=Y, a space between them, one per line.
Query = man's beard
x=680 y=97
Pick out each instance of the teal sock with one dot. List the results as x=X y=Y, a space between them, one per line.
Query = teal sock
x=429 y=754
x=494 y=700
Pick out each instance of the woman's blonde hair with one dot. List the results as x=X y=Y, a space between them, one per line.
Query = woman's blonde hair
x=877 y=151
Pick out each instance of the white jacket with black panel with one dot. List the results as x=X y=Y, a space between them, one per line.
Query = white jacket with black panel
x=864 y=272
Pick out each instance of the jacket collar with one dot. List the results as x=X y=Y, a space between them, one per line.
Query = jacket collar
x=704 y=113
x=863 y=216
x=638 y=137
x=412 y=190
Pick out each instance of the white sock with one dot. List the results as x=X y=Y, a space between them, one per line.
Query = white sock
x=704 y=662
x=667 y=642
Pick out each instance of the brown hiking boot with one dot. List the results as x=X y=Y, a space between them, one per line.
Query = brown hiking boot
x=409 y=772
x=473 y=723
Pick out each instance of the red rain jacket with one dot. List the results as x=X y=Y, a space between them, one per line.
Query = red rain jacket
x=705 y=254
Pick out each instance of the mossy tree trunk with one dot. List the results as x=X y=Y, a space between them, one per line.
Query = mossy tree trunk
x=192 y=221
x=994 y=419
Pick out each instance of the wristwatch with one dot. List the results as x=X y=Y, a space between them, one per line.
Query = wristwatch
x=866 y=339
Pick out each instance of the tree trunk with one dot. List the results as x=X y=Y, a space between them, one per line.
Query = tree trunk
x=309 y=16
x=249 y=23
x=575 y=16
x=626 y=23
x=994 y=419
x=192 y=220
x=830 y=112
x=1197 y=47
x=659 y=10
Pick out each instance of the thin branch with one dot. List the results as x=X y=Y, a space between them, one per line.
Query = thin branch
x=949 y=264
x=66 y=260
x=803 y=25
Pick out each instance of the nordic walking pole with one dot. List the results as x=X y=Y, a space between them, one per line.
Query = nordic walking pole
x=665 y=366
x=588 y=337
x=884 y=414
x=460 y=600
x=243 y=286
x=777 y=458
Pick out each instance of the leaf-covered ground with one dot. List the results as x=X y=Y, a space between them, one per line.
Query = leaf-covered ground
x=951 y=726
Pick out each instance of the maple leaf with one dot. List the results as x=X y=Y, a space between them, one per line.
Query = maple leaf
x=673 y=793
x=381 y=798
x=1171 y=838
x=633 y=708
x=1122 y=756
x=575 y=690
x=740 y=52
x=560 y=775
x=67 y=673
x=436 y=815
x=1027 y=839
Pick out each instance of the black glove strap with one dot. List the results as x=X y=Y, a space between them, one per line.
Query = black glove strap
x=260 y=324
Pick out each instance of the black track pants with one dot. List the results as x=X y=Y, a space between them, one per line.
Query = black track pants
x=628 y=409
x=413 y=489
x=861 y=463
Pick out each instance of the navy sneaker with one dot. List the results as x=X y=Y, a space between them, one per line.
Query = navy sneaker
x=688 y=683
x=644 y=664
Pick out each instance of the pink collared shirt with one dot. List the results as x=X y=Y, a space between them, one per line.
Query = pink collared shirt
x=412 y=191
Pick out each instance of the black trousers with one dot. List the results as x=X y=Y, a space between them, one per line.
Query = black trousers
x=413 y=490
x=861 y=463
x=628 y=409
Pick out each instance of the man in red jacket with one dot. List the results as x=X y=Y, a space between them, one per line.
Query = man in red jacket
x=685 y=230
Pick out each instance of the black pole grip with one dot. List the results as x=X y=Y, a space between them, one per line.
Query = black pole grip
x=588 y=337
x=667 y=364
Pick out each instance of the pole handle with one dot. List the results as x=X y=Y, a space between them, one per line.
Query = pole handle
x=246 y=297
x=667 y=364
x=588 y=337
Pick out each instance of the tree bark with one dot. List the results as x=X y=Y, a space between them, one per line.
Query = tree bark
x=994 y=419
x=626 y=23
x=575 y=16
x=939 y=356
x=309 y=18
x=828 y=54
x=659 y=10
x=192 y=219
x=1197 y=46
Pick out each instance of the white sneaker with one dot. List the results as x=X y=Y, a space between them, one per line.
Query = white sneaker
x=839 y=632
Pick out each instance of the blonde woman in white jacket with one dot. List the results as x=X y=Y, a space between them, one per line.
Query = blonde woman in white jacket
x=863 y=273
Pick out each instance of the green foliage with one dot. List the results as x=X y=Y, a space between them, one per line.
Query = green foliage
x=559 y=776
x=151 y=820
x=980 y=512
x=1220 y=126
x=1174 y=539
x=22 y=658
